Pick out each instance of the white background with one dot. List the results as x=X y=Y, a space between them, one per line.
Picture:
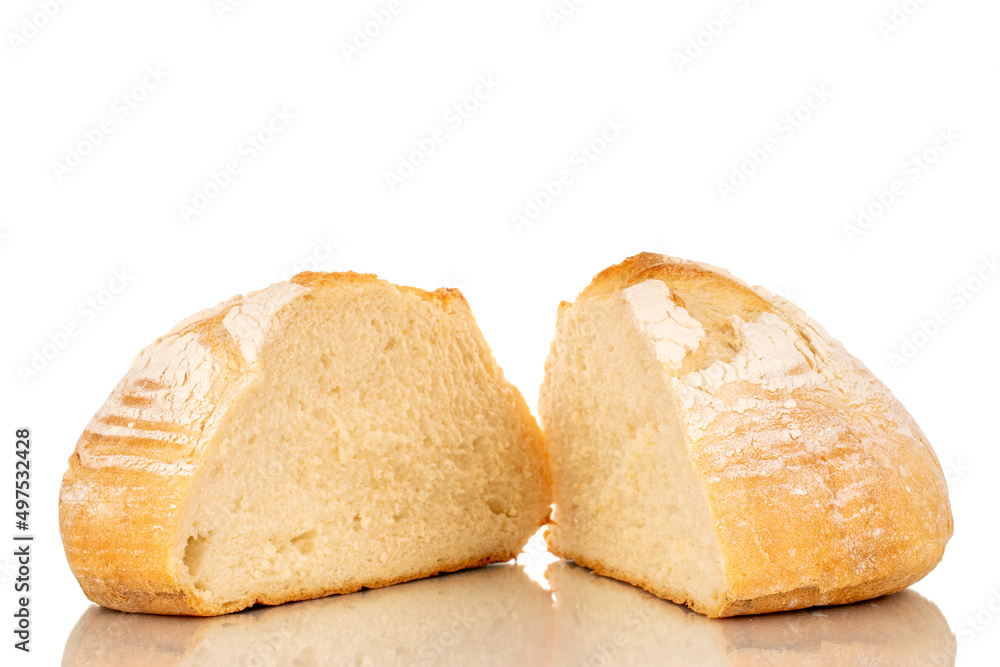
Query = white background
x=889 y=90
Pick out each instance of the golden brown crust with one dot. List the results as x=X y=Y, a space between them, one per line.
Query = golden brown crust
x=800 y=598
x=184 y=604
x=715 y=290
x=821 y=487
x=487 y=615
x=900 y=629
x=121 y=497
x=443 y=296
x=118 y=541
x=129 y=477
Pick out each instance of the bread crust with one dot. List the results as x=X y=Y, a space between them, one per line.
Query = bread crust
x=821 y=488
x=123 y=496
x=490 y=615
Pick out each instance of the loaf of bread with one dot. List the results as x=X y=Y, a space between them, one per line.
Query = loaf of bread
x=605 y=622
x=713 y=445
x=325 y=434
x=490 y=616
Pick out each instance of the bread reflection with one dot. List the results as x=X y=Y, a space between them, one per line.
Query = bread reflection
x=600 y=621
x=491 y=616
x=497 y=616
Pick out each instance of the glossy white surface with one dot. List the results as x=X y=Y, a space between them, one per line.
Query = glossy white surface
x=498 y=616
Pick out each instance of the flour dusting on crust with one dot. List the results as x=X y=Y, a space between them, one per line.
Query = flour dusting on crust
x=251 y=319
x=673 y=331
x=167 y=398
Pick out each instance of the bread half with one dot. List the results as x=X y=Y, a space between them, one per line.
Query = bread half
x=713 y=445
x=322 y=435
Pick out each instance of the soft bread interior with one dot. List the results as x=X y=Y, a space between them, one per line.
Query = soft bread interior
x=380 y=443
x=624 y=488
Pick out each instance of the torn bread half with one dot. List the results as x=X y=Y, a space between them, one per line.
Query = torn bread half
x=713 y=445
x=325 y=434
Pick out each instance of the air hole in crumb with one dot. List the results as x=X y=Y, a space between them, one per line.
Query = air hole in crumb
x=295 y=399
x=356 y=523
x=497 y=505
x=305 y=542
x=391 y=345
x=194 y=554
x=729 y=338
x=326 y=359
